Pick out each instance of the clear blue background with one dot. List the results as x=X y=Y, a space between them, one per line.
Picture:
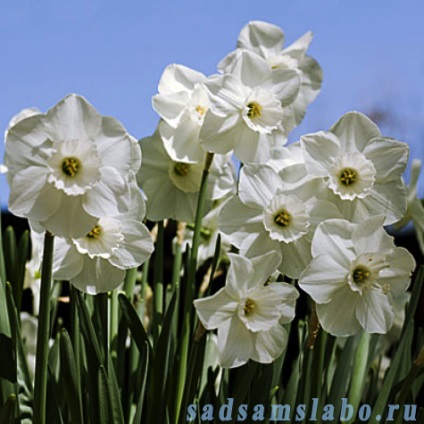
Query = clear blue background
x=113 y=53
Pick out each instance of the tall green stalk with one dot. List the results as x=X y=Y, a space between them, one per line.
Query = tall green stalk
x=40 y=384
x=190 y=289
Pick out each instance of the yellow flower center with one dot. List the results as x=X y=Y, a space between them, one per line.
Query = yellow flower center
x=283 y=218
x=348 y=176
x=255 y=110
x=360 y=275
x=249 y=307
x=181 y=168
x=71 y=166
x=200 y=110
x=95 y=232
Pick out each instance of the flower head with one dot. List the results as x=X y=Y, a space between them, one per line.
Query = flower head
x=249 y=313
x=276 y=212
x=360 y=167
x=247 y=108
x=172 y=187
x=69 y=167
x=182 y=103
x=96 y=262
x=355 y=274
x=267 y=41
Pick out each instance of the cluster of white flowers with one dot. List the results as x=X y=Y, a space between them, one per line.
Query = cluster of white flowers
x=72 y=173
x=319 y=205
x=312 y=211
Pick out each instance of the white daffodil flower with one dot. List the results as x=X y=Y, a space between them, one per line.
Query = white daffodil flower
x=68 y=167
x=267 y=41
x=249 y=313
x=415 y=208
x=276 y=212
x=172 y=187
x=362 y=168
x=182 y=103
x=247 y=108
x=96 y=262
x=355 y=274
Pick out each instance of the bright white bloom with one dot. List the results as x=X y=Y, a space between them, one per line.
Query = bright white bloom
x=355 y=274
x=182 y=103
x=249 y=313
x=415 y=208
x=172 y=187
x=247 y=108
x=276 y=212
x=362 y=168
x=267 y=41
x=96 y=262
x=69 y=167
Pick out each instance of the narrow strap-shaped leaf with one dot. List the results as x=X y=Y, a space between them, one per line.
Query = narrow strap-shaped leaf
x=23 y=251
x=70 y=378
x=114 y=395
x=43 y=332
x=8 y=411
x=161 y=365
x=24 y=382
x=342 y=375
x=11 y=257
x=103 y=394
x=359 y=377
x=88 y=331
x=144 y=365
x=404 y=347
x=134 y=323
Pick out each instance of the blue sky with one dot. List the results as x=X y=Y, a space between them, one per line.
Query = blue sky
x=113 y=53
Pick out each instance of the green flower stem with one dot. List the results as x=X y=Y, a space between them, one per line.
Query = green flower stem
x=317 y=370
x=190 y=289
x=113 y=327
x=144 y=279
x=359 y=375
x=158 y=292
x=129 y=282
x=176 y=276
x=40 y=384
x=75 y=330
x=101 y=304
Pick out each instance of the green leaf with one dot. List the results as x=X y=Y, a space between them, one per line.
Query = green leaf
x=161 y=365
x=134 y=323
x=11 y=257
x=7 y=350
x=70 y=378
x=115 y=400
x=23 y=253
x=144 y=365
x=359 y=377
x=24 y=382
x=88 y=332
x=103 y=393
x=43 y=332
x=8 y=411
x=342 y=374
x=391 y=376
